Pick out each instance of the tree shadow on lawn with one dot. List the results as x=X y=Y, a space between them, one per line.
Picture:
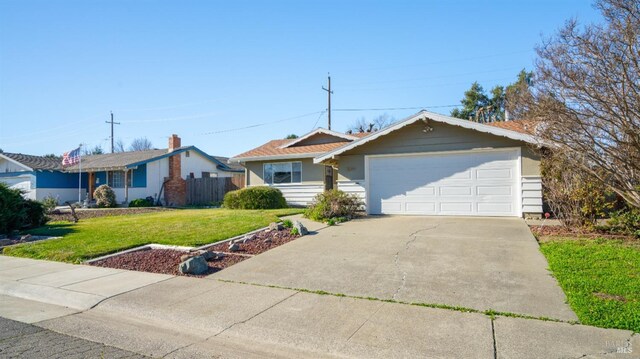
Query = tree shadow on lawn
x=56 y=229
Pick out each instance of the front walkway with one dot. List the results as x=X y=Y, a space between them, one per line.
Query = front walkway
x=180 y=317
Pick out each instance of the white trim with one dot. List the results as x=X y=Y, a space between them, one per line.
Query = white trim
x=518 y=150
x=317 y=131
x=275 y=157
x=16 y=162
x=426 y=116
x=531 y=194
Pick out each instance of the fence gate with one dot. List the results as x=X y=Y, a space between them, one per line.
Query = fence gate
x=205 y=191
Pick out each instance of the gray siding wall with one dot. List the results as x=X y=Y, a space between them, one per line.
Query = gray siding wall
x=412 y=139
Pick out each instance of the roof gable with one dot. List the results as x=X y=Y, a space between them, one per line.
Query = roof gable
x=327 y=136
x=426 y=116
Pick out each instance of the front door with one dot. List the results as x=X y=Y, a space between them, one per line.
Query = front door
x=328 y=178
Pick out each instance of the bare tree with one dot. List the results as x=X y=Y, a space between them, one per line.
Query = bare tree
x=587 y=92
x=361 y=125
x=118 y=146
x=140 y=144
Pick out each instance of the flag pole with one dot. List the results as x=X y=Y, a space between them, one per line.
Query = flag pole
x=80 y=174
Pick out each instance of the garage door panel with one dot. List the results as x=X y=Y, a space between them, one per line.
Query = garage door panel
x=454 y=184
x=455 y=191
x=505 y=190
x=456 y=207
x=493 y=174
x=421 y=207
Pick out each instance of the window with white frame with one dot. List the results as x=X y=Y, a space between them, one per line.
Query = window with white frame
x=282 y=172
x=115 y=179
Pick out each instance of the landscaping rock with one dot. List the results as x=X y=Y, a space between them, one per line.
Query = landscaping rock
x=302 y=230
x=26 y=238
x=234 y=247
x=218 y=255
x=208 y=256
x=268 y=240
x=275 y=226
x=194 y=265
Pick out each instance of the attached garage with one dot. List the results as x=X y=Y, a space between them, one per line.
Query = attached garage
x=430 y=164
x=476 y=183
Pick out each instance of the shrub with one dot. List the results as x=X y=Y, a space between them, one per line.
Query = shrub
x=333 y=203
x=34 y=214
x=575 y=197
x=287 y=223
x=105 y=197
x=625 y=221
x=49 y=203
x=16 y=212
x=295 y=231
x=261 y=197
x=142 y=202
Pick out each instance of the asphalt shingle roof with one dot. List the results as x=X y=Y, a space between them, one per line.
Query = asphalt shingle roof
x=118 y=160
x=36 y=162
x=275 y=148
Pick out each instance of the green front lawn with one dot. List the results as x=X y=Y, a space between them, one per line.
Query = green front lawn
x=95 y=237
x=601 y=278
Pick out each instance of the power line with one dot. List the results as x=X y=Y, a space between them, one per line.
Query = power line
x=261 y=124
x=393 y=108
x=318 y=120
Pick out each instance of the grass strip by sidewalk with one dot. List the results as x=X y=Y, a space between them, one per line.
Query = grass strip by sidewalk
x=95 y=237
x=489 y=312
x=601 y=278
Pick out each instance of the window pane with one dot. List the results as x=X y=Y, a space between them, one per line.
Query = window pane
x=297 y=172
x=281 y=172
x=268 y=173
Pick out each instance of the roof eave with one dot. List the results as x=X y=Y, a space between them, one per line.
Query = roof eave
x=274 y=157
x=425 y=115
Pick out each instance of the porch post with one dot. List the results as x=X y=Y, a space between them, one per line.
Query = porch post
x=126 y=186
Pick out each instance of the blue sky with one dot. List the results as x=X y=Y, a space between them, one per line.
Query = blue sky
x=211 y=71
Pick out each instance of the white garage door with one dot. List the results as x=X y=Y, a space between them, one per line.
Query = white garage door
x=464 y=183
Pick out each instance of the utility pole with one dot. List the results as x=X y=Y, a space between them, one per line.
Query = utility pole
x=112 y=123
x=329 y=92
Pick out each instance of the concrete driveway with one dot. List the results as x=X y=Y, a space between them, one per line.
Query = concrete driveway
x=479 y=263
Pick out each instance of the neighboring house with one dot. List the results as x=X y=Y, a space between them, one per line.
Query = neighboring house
x=39 y=176
x=135 y=174
x=427 y=164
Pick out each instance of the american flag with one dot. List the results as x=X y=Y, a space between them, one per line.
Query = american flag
x=71 y=158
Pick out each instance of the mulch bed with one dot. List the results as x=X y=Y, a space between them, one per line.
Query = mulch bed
x=65 y=215
x=543 y=233
x=164 y=261
x=258 y=244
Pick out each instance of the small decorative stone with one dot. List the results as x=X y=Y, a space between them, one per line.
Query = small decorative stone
x=268 y=240
x=26 y=238
x=275 y=226
x=218 y=255
x=194 y=265
x=234 y=247
x=302 y=230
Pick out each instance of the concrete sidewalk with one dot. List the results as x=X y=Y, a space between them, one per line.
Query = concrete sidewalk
x=180 y=317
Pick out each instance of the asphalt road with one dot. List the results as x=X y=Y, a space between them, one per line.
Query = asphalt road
x=20 y=340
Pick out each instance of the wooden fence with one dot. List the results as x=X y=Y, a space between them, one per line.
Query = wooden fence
x=205 y=191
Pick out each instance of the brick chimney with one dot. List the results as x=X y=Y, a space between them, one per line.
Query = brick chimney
x=174 y=142
x=175 y=187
